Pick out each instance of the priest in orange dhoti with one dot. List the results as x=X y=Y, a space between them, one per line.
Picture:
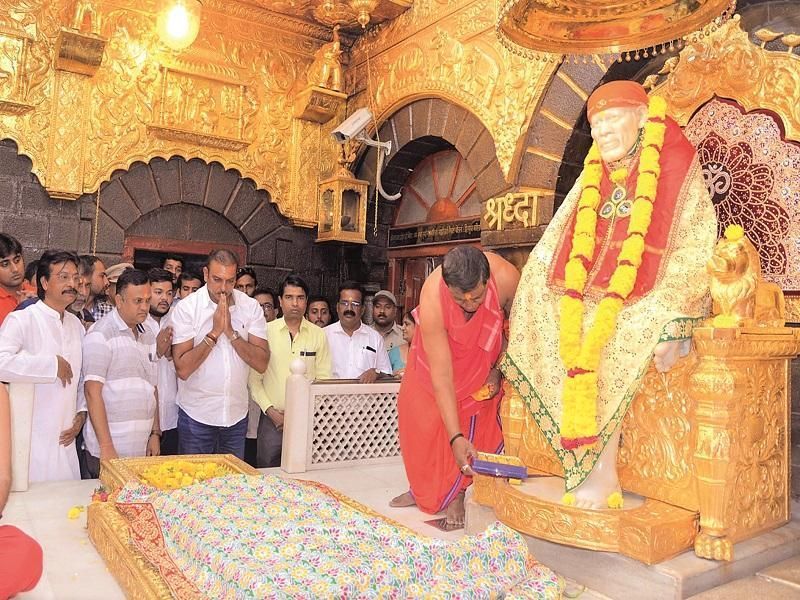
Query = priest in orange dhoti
x=458 y=340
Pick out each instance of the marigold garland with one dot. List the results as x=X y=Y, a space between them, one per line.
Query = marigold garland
x=177 y=473
x=581 y=358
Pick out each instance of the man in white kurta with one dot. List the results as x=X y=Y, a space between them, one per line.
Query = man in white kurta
x=42 y=345
x=357 y=350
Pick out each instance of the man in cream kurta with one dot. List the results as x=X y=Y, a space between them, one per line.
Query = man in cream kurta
x=42 y=345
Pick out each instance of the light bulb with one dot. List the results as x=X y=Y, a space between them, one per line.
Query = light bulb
x=179 y=23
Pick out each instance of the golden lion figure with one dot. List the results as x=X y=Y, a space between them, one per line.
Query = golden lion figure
x=742 y=298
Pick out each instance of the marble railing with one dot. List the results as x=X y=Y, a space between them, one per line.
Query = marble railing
x=335 y=423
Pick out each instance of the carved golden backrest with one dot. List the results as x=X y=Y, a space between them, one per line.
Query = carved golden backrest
x=746 y=130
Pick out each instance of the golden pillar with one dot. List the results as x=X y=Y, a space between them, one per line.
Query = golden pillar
x=742 y=451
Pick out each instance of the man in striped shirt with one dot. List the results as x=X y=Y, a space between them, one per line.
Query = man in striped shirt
x=120 y=377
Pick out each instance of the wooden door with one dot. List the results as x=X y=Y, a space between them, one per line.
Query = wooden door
x=414 y=273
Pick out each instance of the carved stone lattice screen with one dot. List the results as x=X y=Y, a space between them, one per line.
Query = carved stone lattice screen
x=752 y=175
x=354 y=427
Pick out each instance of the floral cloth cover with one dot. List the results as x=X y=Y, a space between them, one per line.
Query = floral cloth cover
x=264 y=536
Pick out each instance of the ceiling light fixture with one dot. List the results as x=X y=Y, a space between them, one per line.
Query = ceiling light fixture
x=178 y=23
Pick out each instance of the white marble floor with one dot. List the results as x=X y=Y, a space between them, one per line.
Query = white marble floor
x=73 y=569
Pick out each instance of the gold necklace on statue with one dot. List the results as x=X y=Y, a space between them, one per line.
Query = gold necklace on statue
x=618 y=203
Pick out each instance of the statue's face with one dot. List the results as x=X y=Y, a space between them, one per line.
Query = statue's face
x=615 y=130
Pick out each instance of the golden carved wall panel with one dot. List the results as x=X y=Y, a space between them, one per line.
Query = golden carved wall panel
x=227 y=99
x=27 y=127
x=196 y=106
x=65 y=164
x=15 y=43
x=453 y=54
x=715 y=64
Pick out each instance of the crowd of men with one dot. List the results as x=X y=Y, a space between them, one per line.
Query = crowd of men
x=126 y=362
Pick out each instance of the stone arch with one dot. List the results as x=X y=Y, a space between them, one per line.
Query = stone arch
x=196 y=201
x=428 y=125
x=28 y=213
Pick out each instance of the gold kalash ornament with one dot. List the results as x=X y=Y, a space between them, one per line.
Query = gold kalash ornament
x=605 y=27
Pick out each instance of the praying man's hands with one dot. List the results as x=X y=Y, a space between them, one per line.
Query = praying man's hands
x=164 y=342
x=222 y=316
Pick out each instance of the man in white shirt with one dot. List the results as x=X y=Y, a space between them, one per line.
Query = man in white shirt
x=42 y=345
x=120 y=375
x=162 y=292
x=219 y=333
x=357 y=349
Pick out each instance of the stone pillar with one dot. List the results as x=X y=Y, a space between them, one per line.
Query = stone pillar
x=21 y=396
x=297 y=420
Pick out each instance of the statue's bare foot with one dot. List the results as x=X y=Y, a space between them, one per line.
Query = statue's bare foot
x=454 y=515
x=603 y=481
x=403 y=500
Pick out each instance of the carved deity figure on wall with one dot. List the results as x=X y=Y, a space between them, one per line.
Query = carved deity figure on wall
x=10 y=52
x=620 y=268
x=326 y=70
x=84 y=9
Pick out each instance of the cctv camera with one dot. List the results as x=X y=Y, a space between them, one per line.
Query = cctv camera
x=352 y=125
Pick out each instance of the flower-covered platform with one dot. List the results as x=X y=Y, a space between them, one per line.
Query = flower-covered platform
x=238 y=535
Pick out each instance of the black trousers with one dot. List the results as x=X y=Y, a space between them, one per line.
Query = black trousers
x=169 y=442
x=270 y=443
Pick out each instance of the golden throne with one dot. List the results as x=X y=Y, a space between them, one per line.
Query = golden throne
x=708 y=444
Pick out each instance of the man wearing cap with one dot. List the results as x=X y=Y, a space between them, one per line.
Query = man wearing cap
x=614 y=283
x=113 y=274
x=384 y=319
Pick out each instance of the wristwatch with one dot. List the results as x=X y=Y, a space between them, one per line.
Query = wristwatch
x=235 y=336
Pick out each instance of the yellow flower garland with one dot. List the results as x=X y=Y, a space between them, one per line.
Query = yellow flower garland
x=177 y=473
x=582 y=358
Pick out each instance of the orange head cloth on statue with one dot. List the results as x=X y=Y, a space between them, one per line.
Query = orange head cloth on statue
x=616 y=94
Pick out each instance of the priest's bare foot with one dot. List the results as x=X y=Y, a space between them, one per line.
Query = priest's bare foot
x=603 y=481
x=454 y=515
x=402 y=501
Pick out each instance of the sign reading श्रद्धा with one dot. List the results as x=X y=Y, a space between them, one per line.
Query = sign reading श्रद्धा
x=435 y=233
x=521 y=206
